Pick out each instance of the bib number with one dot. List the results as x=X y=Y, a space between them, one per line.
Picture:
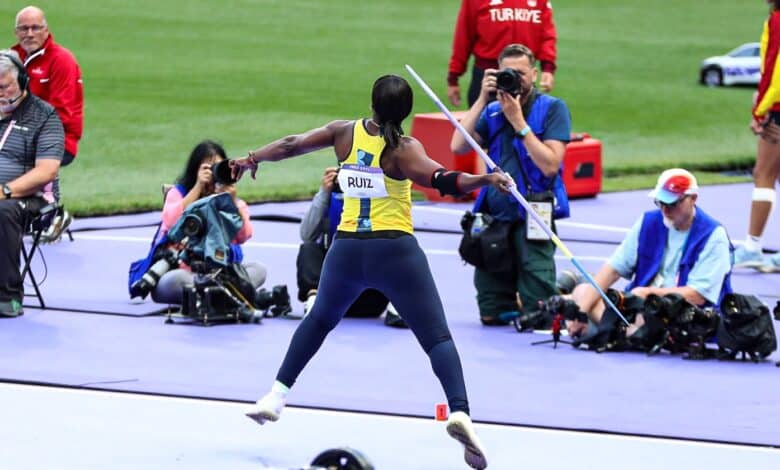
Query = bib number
x=359 y=181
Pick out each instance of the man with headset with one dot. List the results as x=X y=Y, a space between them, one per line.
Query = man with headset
x=55 y=77
x=31 y=147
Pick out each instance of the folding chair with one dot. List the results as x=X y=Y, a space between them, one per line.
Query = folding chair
x=34 y=230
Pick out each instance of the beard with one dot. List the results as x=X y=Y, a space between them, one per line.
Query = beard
x=668 y=223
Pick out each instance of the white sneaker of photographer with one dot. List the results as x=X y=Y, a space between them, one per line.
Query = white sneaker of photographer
x=309 y=304
x=267 y=408
x=460 y=427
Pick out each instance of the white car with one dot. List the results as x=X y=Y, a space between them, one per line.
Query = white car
x=742 y=66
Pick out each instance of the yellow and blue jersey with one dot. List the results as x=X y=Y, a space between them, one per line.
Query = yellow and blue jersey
x=391 y=211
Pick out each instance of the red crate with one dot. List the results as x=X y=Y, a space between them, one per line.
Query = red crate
x=434 y=131
x=582 y=166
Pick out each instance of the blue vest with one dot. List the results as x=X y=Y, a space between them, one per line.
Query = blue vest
x=333 y=219
x=497 y=126
x=652 y=243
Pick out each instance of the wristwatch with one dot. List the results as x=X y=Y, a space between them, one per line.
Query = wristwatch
x=7 y=191
x=524 y=132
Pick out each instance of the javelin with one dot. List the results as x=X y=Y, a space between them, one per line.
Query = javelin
x=513 y=189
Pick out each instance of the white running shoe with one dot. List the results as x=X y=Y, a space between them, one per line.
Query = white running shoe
x=744 y=258
x=771 y=264
x=460 y=427
x=267 y=408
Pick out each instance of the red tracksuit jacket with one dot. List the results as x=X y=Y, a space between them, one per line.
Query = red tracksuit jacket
x=768 y=98
x=55 y=77
x=485 y=27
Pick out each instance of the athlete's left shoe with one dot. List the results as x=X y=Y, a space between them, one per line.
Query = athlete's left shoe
x=460 y=427
x=771 y=264
x=267 y=408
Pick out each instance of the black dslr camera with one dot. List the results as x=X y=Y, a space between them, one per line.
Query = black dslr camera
x=222 y=172
x=671 y=322
x=166 y=259
x=542 y=317
x=510 y=81
x=276 y=301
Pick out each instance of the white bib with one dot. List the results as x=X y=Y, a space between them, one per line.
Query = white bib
x=360 y=181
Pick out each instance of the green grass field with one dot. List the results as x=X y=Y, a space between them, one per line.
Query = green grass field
x=160 y=76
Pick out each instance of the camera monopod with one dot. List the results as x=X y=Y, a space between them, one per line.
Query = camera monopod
x=513 y=189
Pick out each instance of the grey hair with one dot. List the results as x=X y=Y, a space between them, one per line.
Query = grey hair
x=6 y=65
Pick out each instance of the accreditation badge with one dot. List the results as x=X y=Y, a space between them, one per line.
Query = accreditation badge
x=360 y=181
x=533 y=230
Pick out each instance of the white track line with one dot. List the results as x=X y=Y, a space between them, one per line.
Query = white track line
x=291 y=246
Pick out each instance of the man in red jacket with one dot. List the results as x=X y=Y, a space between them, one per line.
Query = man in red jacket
x=485 y=27
x=55 y=77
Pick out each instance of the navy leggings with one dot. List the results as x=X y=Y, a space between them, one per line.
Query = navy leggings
x=398 y=268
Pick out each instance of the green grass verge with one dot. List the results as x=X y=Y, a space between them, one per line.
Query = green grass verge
x=160 y=76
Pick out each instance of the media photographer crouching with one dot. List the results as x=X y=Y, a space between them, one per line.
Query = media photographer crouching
x=677 y=258
x=199 y=240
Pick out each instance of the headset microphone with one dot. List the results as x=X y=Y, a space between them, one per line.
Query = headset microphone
x=14 y=100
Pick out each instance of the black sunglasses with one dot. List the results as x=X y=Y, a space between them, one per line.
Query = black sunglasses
x=661 y=204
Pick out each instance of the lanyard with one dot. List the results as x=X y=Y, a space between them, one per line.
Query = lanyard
x=7 y=133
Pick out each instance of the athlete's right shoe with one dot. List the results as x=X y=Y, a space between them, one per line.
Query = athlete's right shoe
x=771 y=264
x=744 y=258
x=267 y=408
x=460 y=427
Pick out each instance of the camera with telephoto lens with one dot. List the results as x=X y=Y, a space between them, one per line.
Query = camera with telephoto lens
x=627 y=303
x=665 y=307
x=510 y=81
x=542 y=317
x=192 y=226
x=167 y=260
x=222 y=173
x=276 y=301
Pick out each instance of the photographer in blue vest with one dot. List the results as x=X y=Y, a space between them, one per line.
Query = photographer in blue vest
x=675 y=249
x=526 y=133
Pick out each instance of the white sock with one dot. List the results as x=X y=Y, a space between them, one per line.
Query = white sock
x=280 y=389
x=752 y=243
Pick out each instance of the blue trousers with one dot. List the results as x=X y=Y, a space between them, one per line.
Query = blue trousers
x=397 y=267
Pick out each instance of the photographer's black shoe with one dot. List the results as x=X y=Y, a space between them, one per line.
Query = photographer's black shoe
x=392 y=318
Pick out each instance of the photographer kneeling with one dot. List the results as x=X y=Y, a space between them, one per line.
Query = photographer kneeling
x=196 y=182
x=675 y=249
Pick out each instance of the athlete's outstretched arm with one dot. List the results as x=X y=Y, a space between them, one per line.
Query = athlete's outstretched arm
x=416 y=165
x=289 y=146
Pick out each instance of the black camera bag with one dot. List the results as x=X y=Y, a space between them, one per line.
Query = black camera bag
x=745 y=327
x=490 y=249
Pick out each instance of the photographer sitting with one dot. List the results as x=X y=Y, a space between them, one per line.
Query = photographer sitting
x=196 y=182
x=675 y=249
x=318 y=228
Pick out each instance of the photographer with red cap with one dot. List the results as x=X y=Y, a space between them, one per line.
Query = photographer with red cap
x=674 y=249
